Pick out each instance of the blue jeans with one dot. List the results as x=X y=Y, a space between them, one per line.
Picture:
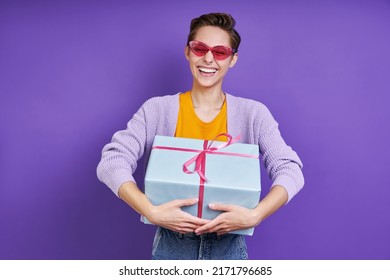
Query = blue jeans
x=170 y=245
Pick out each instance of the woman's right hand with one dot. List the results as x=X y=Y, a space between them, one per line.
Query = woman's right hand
x=169 y=215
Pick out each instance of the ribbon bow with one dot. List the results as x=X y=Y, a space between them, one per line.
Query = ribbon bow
x=199 y=159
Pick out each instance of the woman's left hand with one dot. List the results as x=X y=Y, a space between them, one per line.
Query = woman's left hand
x=233 y=218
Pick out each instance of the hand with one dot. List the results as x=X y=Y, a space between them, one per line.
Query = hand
x=233 y=218
x=169 y=215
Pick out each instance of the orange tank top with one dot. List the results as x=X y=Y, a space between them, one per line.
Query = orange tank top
x=190 y=126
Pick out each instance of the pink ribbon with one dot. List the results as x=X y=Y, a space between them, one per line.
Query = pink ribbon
x=199 y=159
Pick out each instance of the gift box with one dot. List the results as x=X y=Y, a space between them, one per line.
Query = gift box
x=215 y=172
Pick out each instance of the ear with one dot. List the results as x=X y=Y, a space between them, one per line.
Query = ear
x=234 y=60
x=187 y=52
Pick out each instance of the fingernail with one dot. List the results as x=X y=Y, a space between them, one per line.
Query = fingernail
x=211 y=205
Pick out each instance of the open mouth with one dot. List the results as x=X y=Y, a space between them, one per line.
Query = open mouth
x=207 y=70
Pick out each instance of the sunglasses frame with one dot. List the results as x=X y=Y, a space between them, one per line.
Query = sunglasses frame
x=217 y=56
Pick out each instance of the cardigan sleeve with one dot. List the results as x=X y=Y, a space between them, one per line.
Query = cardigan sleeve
x=119 y=158
x=158 y=115
x=281 y=162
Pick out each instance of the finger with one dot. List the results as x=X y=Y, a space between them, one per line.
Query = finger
x=186 y=229
x=185 y=202
x=183 y=227
x=222 y=229
x=222 y=232
x=191 y=226
x=194 y=220
x=180 y=226
x=208 y=227
x=181 y=230
x=221 y=207
x=219 y=229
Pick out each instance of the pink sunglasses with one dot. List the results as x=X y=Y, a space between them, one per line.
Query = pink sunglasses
x=219 y=52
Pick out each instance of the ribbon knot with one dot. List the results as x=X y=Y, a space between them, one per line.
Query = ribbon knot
x=199 y=159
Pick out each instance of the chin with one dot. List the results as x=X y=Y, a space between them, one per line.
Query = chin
x=208 y=84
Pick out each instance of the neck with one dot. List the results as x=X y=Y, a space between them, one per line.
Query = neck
x=207 y=98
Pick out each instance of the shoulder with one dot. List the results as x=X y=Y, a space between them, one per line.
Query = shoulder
x=246 y=105
x=163 y=100
x=159 y=114
x=160 y=104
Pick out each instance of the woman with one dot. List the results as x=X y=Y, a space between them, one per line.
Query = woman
x=203 y=112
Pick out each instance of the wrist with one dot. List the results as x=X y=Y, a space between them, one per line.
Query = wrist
x=258 y=215
x=275 y=199
x=130 y=193
x=149 y=211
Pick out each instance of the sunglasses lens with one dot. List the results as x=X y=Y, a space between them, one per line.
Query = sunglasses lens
x=198 y=48
x=221 y=52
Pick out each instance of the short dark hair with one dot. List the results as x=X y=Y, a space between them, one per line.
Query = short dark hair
x=224 y=21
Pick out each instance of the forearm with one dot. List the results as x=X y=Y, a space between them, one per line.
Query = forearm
x=135 y=198
x=275 y=199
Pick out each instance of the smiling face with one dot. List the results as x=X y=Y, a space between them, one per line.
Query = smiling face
x=206 y=70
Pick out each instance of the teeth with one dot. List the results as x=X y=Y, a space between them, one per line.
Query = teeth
x=207 y=70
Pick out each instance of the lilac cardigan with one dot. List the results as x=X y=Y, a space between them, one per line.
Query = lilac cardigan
x=158 y=116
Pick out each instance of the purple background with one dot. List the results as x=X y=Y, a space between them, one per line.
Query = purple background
x=74 y=72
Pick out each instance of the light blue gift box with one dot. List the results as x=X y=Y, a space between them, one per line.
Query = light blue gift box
x=231 y=179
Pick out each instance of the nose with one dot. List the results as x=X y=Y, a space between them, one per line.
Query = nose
x=208 y=57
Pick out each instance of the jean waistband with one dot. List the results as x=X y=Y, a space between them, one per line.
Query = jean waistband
x=192 y=235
